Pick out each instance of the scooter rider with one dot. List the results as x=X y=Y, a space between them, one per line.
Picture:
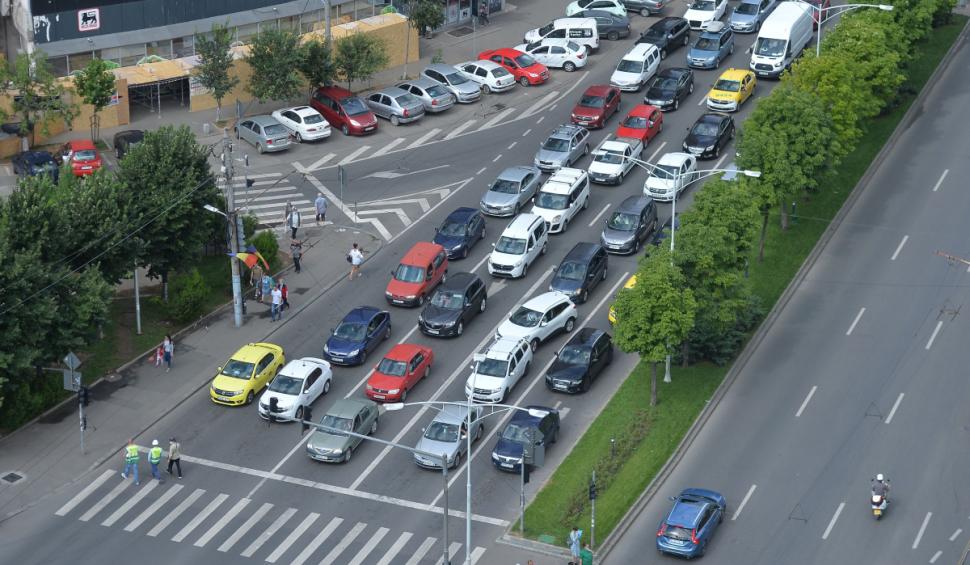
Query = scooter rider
x=880 y=486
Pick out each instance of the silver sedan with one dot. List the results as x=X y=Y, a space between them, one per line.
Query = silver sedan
x=265 y=132
x=513 y=188
x=396 y=105
x=436 y=98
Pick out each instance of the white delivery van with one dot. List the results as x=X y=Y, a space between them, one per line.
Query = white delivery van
x=582 y=31
x=782 y=37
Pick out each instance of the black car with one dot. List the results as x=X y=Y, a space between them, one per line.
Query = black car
x=124 y=140
x=580 y=361
x=669 y=87
x=629 y=225
x=581 y=270
x=32 y=163
x=461 y=230
x=709 y=134
x=538 y=424
x=609 y=26
x=454 y=303
x=667 y=34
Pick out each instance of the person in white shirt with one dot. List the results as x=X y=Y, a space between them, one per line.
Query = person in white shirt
x=275 y=311
x=356 y=259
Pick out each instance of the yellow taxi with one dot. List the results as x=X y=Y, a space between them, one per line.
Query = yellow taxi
x=731 y=90
x=630 y=283
x=246 y=373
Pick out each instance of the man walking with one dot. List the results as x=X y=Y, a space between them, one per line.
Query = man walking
x=154 y=458
x=293 y=221
x=131 y=461
x=174 y=456
x=256 y=280
x=483 y=13
x=575 y=536
x=275 y=312
x=586 y=555
x=356 y=259
x=296 y=251
x=321 y=205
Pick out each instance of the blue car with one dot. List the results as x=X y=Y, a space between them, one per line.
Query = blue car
x=691 y=524
x=461 y=230
x=33 y=163
x=507 y=454
x=715 y=44
x=359 y=333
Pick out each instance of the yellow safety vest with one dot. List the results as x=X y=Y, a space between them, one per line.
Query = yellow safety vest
x=155 y=455
x=131 y=454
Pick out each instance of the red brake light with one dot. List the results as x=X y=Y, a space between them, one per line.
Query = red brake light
x=269 y=142
x=434 y=102
x=663 y=528
x=581 y=55
x=693 y=537
x=406 y=113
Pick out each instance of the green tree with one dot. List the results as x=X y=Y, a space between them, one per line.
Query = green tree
x=39 y=98
x=275 y=57
x=215 y=61
x=96 y=85
x=316 y=63
x=729 y=203
x=422 y=15
x=869 y=39
x=656 y=314
x=359 y=56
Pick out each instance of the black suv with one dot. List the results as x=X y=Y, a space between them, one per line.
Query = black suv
x=629 y=225
x=580 y=361
x=667 y=34
x=581 y=270
x=125 y=140
x=455 y=302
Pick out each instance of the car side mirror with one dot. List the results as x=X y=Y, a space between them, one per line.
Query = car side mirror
x=423 y=429
x=751 y=49
x=555 y=267
x=672 y=498
x=493 y=245
x=331 y=331
x=543 y=323
x=219 y=370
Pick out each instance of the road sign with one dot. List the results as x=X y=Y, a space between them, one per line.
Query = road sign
x=72 y=361
x=341 y=175
x=72 y=380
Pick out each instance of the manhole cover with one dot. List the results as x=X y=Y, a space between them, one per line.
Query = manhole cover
x=464 y=30
x=498 y=107
x=12 y=477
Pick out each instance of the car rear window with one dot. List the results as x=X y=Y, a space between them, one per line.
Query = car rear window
x=312 y=119
x=677 y=532
x=85 y=155
x=275 y=129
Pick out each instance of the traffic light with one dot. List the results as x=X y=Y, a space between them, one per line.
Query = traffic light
x=273 y=405
x=592 y=490
x=307 y=418
x=82 y=396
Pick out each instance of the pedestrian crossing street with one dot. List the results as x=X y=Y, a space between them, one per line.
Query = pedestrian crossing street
x=253 y=530
x=268 y=196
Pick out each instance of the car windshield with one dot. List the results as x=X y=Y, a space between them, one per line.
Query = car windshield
x=505 y=186
x=442 y=431
x=637 y=122
x=706 y=44
x=556 y=144
x=85 y=155
x=448 y=300
x=622 y=222
x=552 y=201
x=574 y=355
x=747 y=9
x=727 y=85
x=510 y=245
x=312 y=119
x=492 y=368
x=516 y=433
x=392 y=367
x=571 y=271
x=770 y=47
x=665 y=172
x=677 y=533
x=525 y=317
x=524 y=60
x=592 y=101
x=284 y=384
x=453 y=228
x=664 y=83
x=703 y=5
x=351 y=331
x=409 y=273
x=544 y=30
x=436 y=90
x=610 y=157
x=704 y=129
x=337 y=423
x=654 y=33
x=275 y=129
x=353 y=106
x=238 y=369
x=629 y=66
x=455 y=78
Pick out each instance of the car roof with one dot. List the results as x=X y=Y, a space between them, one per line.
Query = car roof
x=640 y=51
x=441 y=68
x=516 y=173
x=303 y=111
x=616 y=145
x=253 y=352
x=667 y=22
x=334 y=91
x=634 y=204
x=673 y=158
x=483 y=63
x=301 y=368
x=545 y=300
x=459 y=281
x=715 y=28
x=361 y=314
x=461 y=215
x=80 y=144
x=643 y=110
x=264 y=120
x=347 y=407
x=712 y=118
x=35 y=156
x=451 y=413
x=422 y=82
x=735 y=74
x=522 y=222
x=503 y=346
x=421 y=253
x=524 y=418
x=129 y=134
x=686 y=513
x=598 y=90
x=582 y=251
x=673 y=72
x=604 y=14
x=560 y=41
x=507 y=51
x=403 y=351
x=391 y=91
x=586 y=337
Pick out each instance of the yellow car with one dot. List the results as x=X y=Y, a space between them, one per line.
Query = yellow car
x=731 y=90
x=246 y=373
x=630 y=283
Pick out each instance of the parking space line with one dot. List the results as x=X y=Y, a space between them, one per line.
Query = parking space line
x=498 y=118
x=535 y=107
x=856 y=321
x=79 y=498
x=922 y=529
x=421 y=140
x=360 y=151
x=895 y=406
x=942 y=178
x=936 y=330
x=743 y=502
x=721 y=160
x=835 y=518
x=458 y=130
x=247 y=525
x=526 y=132
x=388 y=147
x=899 y=247
x=477 y=554
x=291 y=539
x=598 y=216
x=811 y=393
x=936 y=556
x=956 y=533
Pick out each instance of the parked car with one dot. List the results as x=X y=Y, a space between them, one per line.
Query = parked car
x=82 y=156
x=615 y=7
x=489 y=75
x=460 y=231
x=578 y=30
x=614 y=159
x=608 y=25
x=435 y=97
x=691 y=522
x=636 y=68
x=596 y=105
x=540 y=318
x=342 y=109
x=630 y=224
x=395 y=105
x=674 y=172
x=398 y=372
x=523 y=67
x=265 y=133
x=465 y=91
x=32 y=163
x=715 y=44
x=304 y=123
x=246 y=373
x=564 y=195
x=644 y=7
x=564 y=146
x=580 y=361
x=748 y=15
x=733 y=88
x=357 y=334
x=709 y=135
x=299 y=383
x=125 y=140
x=562 y=54
x=447 y=435
x=701 y=12
x=670 y=87
x=643 y=123
x=498 y=369
x=538 y=425
x=513 y=188
x=421 y=269
x=521 y=243
x=454 y=303
x=581 y=271
x=667 y=34
x=346 y=415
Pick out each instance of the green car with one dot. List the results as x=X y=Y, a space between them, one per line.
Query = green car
x=358 y=416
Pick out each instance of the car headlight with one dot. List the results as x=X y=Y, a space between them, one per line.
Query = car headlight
x=421 y=317
x=411 y=296
x=448 y=324
x=388 y=293
x=457 y=246
x=534 y=75
x=369 y=387
x=355 y=123
x=557 y=218
x=394 y=391
x=354 y=352
x=326 y=348
x=336 y=451
x=710 y=147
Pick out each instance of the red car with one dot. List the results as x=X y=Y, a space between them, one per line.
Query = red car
x=397 y=373
x=643 y=122
x=597 y=104
x=523 y=67
x=83 y=157
x=421 y=270
x=344 y=110
x=820 y=8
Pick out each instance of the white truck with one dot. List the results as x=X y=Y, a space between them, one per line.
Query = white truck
x=782 y=37
x=611 y=159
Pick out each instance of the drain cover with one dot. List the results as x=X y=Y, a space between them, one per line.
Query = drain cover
x=12 y=477
x=464 y=30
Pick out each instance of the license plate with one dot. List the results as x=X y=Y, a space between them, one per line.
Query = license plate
x=379 y=396
x=761 y=73
x=876 y=512
x=396 y=301
x=224 y=398
x=86 y=168
x=560 y=387
x=371 y=128
x=507 y=465
x=433 y=332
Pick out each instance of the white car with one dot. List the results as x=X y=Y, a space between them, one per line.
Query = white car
x=305 y=123
x=673 y=173
x=557 y=53
x=636 y=68
x=561 y=197
x=612 y=160
x=540 y=318
x=491 y=76
x=298 y=384
x=615 y=7
x=497 y=370
x=523 y=241
x=702 y=12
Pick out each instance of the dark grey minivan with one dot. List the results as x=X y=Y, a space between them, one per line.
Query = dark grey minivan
x=581 y=270
x=630 y=225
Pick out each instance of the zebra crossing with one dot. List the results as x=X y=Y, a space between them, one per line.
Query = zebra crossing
x=217 y=520
x=267 y=197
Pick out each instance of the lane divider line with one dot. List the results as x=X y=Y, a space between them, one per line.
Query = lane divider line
x=899 y=247
x=936 y=330
x=942 y=178
x=892 y=412
x=743 y=502
x=834 y=519
x=922 y=529
x=805 y=402
x=856 y=321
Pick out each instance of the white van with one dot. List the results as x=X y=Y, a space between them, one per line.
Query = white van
x=561 y=197
x=636 y=68
x=782 y=37
x=580 y=30
x=522 y=242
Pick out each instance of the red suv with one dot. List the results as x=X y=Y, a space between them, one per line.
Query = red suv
x=83 y=157
x=421 y=270
x=597 y=104
x=523 y=67
x=344 y=110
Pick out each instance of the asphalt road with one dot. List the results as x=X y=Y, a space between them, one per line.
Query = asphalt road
x=862 y=373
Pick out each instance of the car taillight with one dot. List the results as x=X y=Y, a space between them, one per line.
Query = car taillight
x=693 y=537
x=269 y=142
x=434 y=102
x=663 y=528
x=581 y=55
x=406 y=113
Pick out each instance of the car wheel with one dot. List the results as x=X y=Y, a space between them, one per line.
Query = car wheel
x=545 y=247
x=515 y=211
x=525 y=270
x=732 y=135
x=299 y=413
x=348 y=455
x=482 y=307
x=534 y=344
x=236 y=131
x=644 y=12
x=690 y=88
x=486 y=89
x=571 y=322
x=636 y=246
x=464 y=253
x=387 y=334
x=686 y=39
x=732 y=49
x=373 y=427
x=586 y=149
x=585 y=385
x=528 y=365
x=363 y=357
x=586 y=203
x=299 y=138
x=676 y=103
x=404 y=395
x=663 y=53
x=609 y=356
x=345 y=129
x=568 y=66
x=612 y=36
x=757 y=27
x=584 y=296
x=603 y=277
x=659 y=131
x=481 y=430
x=395 y=121
x=505 y=394
x=420 y=300
x=249 y=398
x=524 y=81
x=461 y=328
x=326 y=386
x=444 y=277
x=259 y=148
x=717 y=151
x=565 y=224
x=555 y=436
x=457 y=462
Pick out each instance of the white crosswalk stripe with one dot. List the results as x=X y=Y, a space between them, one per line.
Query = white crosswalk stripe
x=369 y=547
x=395 y=549
x=194 y=523
x=105 y=501
x=268 y=532
x=267 y=197
x=244 y=529
x=452 y=551
x=340 y=547
x=174 y=514
x=294 y=535
x=86 y=492
x=226 y=518
x=422 y=550
x=477 y=554
x=317 y=541
x=162 y=500
x=129 y=504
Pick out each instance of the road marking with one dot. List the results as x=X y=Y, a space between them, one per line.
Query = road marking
x=117 y=514
x=539 y=121
x=477 y=554
x=480 y=263
x=856 y=321
x=603 y=211
x=835 y=518
x=268 y=532
x=192 y=525
x=368 y=547
x=811 y=393
x=743 y=502
x=315 y=166
x=718 y=164
x=498 y=118
x=457 y=131
x=942 y=178
x=563 y=412
x=480 y=171
x=317 y=541
x=657 y=150
x=182 y=507
x=497 y=157
x=539 y=103
x=162 y=501
x=526 y=132
x=291 y=539
x=511 y=145
x=922 y=529
x=79 y=498
x=420 y=553
x=395 y=549
x=458 y=186
x=244 y=529
x=956 y=533
x=452 y=551
x=895 y=406
x=394 y=143
x=394 y=174
x=104 y=501
x=936 y=556
x=900 y=247
x=702 y=101
x=360 y=151
x=223 y=521
x=421 y=140
x=371 y=372
x=348 y=538
x=553 y=107
x=936 y=330
x=348 y=211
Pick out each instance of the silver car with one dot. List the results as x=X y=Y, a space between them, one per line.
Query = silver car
x=265 y=132
x=447 y=435
x=562 y=148
x=631 y=223
x=513 y=188
x=435 y=97
x=451 y=78
x=396 y=105
x=748 y=16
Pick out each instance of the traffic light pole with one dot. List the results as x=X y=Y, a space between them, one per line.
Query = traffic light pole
x=227 y=169
x=592 y=511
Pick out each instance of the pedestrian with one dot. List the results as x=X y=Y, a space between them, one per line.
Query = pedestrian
x=286 y=214
x=267 y=287
x=293 y=221
x=169 y=348
x=159 y=353
x=575 y=536
x=296 y=251
x=483 y=13
x=321 y=205
x=356 y=259
x=586 y=555
x=154 y=458
x=256 y=281
x=174 y=456
x=274 y=312
x=284 y=292
x=131 y=461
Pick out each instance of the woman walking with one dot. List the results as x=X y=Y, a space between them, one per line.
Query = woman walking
x=168 y=349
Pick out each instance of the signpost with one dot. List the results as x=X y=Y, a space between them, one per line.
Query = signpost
x=72 y=382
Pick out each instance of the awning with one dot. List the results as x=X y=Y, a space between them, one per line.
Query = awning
x=151 y=73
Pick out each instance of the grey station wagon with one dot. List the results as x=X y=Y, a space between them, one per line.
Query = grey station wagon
x=513 y=188
x=396 y=105
x=264 y=132
x=347 y=414
x=447 y=434
x=435 y=97
x=563 y=147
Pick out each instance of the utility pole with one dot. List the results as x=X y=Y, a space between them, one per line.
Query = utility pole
x=227 y=169
x=137 y=303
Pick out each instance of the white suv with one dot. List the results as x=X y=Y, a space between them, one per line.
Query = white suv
x=522 y=242
x=673 y=173
x=540 y=318
x=562 y=196
x=298 y=384
x=636 y=68
x=497 y=370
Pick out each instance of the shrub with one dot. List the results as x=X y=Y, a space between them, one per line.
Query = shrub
x=269 y=248
x=189 y=293
x=30 y=397
x=250 y=223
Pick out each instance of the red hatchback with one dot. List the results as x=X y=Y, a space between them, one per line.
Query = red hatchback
x=397 y=373
x=83 y=157
x=344 y=110
x=643 y=122
x=597 y=104
x=421 y=270
x=523 y=67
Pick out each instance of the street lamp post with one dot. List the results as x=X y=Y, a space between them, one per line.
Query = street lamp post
x=833 y=11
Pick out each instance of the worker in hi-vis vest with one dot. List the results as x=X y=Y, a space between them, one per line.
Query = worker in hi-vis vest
x=131 y=460
x=154 y=458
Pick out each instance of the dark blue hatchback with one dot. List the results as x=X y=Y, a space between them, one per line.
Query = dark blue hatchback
x=461 y=230
x=691 y=523
x=359 y=333
x=507 y=454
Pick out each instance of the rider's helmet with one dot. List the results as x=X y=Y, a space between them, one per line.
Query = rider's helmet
x=880 y=478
